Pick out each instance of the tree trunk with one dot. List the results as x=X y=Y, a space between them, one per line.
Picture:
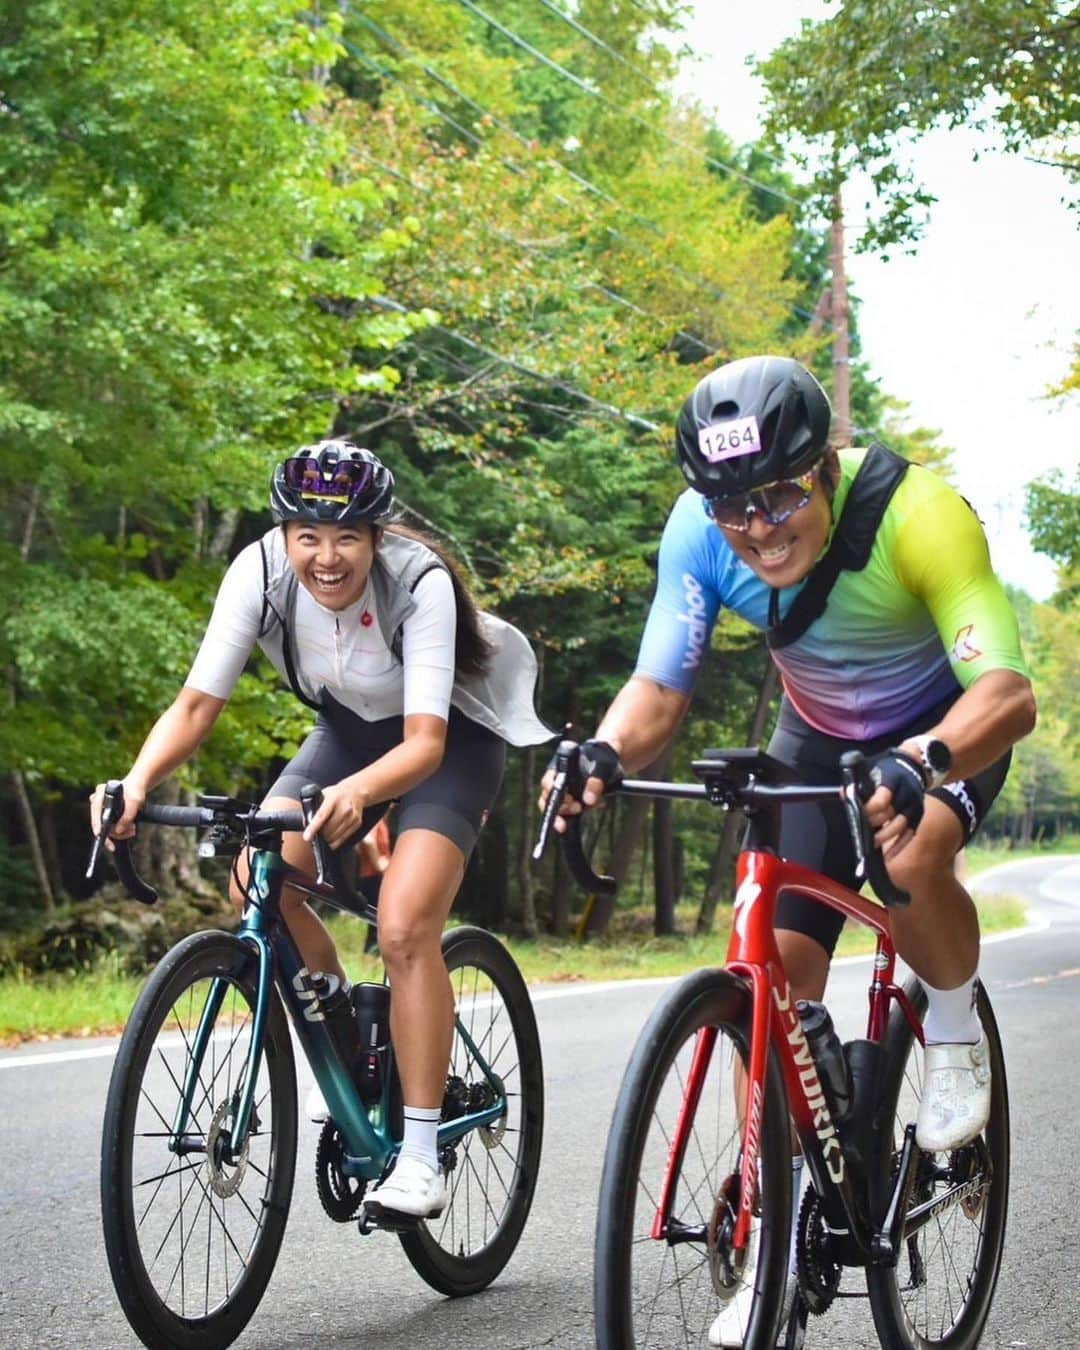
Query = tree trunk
x=629 y=824
x=168 y=858
x=663 y=857
x=33 y=841
x=50 y=847
x=527 y=820
x=560 y=897
x=198 y=527
x=224 y=534
x=723 y=860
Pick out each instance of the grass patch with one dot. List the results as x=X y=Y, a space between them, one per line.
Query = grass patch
x=97 y=1001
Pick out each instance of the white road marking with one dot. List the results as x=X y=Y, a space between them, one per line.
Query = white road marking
x=1069 y=892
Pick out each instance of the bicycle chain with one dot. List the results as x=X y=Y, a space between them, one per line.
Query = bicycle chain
x=819 y=1273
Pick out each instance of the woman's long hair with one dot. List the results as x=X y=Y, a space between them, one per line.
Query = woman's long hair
x=472 y=651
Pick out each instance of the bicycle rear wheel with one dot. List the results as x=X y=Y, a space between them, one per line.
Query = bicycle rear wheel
x=494 y=1168
x=940 y=1290
x=668 y=1291
x=192 y=1236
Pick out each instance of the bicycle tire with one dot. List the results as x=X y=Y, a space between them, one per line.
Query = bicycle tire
x=684 y=1281
x=933 y=1260
x=463 y=1250
x=146 y=1242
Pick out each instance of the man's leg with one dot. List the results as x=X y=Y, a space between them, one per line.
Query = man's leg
x=938 y=936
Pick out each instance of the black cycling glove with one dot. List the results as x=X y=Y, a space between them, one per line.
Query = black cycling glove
x=596 y=759
x=903 y=776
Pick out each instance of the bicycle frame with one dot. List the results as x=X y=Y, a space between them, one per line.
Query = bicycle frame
x=368 y=1144
x=753 y=954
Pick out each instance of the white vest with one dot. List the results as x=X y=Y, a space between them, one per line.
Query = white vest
x=501 y=699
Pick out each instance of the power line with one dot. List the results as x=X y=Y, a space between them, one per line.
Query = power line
x=586 y=88
x=606 y=291
x=633 y=419
x=399 y=49
x=599 y=42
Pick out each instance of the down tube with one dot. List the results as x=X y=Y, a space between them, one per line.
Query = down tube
x=364 y=1145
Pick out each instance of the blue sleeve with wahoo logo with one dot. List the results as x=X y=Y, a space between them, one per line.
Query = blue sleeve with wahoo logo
x=687 y=598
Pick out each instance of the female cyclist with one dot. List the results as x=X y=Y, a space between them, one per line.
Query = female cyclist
x=417 y=695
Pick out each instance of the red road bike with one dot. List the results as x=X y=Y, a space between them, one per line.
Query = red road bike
x=696 y=1196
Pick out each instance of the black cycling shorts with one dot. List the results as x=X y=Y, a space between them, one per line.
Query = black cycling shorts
x=818 y=836
x=454 y=801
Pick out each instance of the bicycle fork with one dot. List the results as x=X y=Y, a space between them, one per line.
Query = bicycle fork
x=179 y=1142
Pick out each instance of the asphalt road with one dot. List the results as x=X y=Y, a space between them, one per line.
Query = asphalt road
x=333 y=1288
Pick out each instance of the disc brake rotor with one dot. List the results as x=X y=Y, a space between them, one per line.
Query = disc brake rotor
x=224 y=1176
x=726 y=1265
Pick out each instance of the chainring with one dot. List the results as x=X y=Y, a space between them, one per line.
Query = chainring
x=341 y=1196
x=819 y=1271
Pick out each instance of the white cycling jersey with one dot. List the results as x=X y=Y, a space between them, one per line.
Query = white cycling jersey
x=342 y=651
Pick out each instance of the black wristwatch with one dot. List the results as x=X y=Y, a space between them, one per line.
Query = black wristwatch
x=935 y=757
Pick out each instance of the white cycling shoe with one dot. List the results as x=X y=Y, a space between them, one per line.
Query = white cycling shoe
x=315 y=1107
x=729 y=1328
x=955 y=1103
x=413 y=1190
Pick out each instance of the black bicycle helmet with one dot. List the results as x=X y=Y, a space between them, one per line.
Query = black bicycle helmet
x=332 y=482
x=751 y=422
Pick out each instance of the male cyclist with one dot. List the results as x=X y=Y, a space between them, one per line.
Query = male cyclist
x=913 y=658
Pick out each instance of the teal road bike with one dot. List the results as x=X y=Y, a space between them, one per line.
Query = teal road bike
x=200 y=1132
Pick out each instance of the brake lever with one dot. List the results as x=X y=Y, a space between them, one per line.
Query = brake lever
x=859 y=787
x=568 y=779
x=310 y=801
x=111 y=811
x=564 y=758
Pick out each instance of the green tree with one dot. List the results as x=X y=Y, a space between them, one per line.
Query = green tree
x=857 y=85
x=182 y=248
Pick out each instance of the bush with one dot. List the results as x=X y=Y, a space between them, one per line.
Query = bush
x=78 y=936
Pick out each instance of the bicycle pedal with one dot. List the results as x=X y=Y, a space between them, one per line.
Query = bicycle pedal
x=390 y=1220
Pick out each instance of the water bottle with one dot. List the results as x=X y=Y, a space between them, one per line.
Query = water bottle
x=863 y=1060
x=371 y=1011
x=832 y=1065
x=336 y=1008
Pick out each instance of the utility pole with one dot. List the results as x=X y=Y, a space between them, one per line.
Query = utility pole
x=839 y=314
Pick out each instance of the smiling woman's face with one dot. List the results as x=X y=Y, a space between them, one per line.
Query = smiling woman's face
x=331 y=561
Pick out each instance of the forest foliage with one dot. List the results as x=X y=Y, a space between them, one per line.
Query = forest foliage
x=484 y=240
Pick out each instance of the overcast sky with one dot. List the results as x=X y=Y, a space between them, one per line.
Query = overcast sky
x=973 y=328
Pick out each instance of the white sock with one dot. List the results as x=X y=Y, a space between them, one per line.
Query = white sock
x=951 y=1018
x=796 y=1206
x=421 y=1136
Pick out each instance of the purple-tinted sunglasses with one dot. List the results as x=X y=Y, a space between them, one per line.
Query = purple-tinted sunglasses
x=346 y=480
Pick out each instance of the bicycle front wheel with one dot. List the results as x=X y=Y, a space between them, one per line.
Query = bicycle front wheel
x=940 y=1290
x=669 y=1290
x=191 y=1231
x=493 y=1170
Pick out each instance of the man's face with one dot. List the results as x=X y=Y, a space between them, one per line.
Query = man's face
x=783 y=554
